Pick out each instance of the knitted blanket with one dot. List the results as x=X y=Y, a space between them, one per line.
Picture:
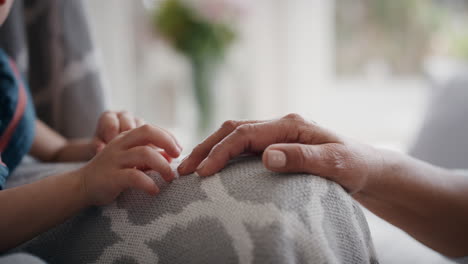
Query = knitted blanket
x=244 y=214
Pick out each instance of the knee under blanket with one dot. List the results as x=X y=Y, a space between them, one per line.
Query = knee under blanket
x=244 y=214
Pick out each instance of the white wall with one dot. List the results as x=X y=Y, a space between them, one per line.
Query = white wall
x=112 y=26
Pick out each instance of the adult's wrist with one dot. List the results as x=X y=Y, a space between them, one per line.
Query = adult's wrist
x=384 y=169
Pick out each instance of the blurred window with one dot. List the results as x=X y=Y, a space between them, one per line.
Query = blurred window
x=396 y=37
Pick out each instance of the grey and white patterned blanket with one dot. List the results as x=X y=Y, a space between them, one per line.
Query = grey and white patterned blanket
x=244 y=214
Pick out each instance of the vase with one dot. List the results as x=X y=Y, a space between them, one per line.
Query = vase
x=203 y=76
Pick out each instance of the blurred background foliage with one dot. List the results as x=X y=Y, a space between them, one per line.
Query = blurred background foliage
x=398 y=35
x=202 y=31
x=190 y=33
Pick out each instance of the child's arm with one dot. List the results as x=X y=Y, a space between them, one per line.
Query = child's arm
x=31 y=209
x=50 y=146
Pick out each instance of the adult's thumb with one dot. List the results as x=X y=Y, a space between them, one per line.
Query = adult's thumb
x=296 y=158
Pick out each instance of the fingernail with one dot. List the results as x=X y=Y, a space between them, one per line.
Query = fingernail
x=156 y=191
x=178 y=152
x=182 y=163
x=276 y=159
x=181 y=167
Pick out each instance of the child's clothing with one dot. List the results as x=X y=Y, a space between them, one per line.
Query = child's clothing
x=17 y=117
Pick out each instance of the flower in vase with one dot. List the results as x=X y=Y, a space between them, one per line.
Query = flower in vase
x=202 y=30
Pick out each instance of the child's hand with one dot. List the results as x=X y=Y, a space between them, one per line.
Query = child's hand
x=116 y=167
x=111 y=124
x=50 y=146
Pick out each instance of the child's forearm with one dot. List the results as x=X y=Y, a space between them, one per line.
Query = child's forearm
x=75 y=150
x=49 y=146
x=428 y=202
x=34 y=208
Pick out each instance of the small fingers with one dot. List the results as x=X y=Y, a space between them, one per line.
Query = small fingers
x=136 y=179
x=99 y=145
x=165 y=155
x=146 y=157
x=162 y=152
x=173 y=137
x=108 y=126
x=139 y=122
x=150 y=135
x=126 y=121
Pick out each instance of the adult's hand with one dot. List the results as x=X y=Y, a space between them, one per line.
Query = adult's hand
x=289 y=144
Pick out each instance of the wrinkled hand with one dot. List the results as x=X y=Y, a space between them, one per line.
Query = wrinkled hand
x=290 y=144
x=119 y=165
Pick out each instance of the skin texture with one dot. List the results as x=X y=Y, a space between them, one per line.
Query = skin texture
x=122 y=148
x=428 y=202
x=123 y=145
x=49 y=146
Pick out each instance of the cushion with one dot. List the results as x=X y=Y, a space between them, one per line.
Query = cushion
x=443 y=138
